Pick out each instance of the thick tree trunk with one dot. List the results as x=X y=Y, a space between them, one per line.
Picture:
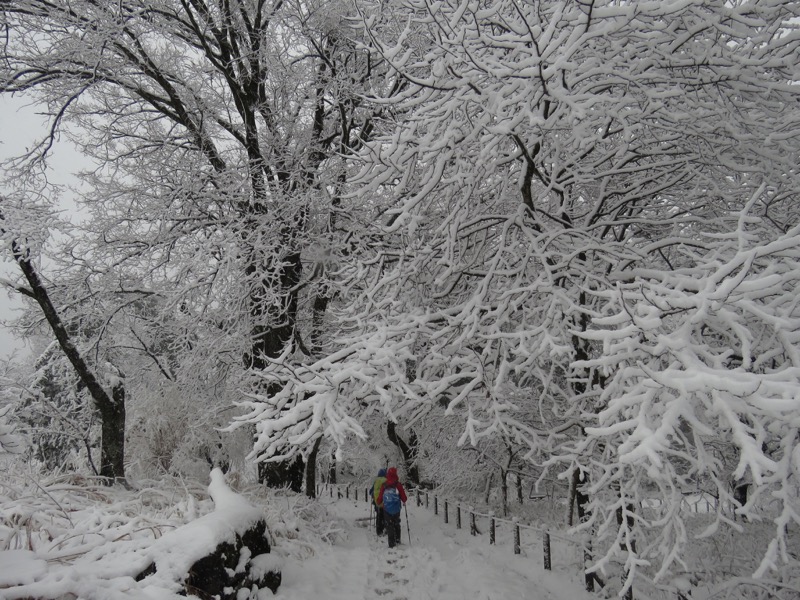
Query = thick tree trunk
x=580 y=480
x=311 y=470
x=409 y=452
x=504 y=490
x=112 y=446
x=112 y=409
x=272 y=331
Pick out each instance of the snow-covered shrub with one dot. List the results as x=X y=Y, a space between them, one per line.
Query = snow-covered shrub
x=10 y=441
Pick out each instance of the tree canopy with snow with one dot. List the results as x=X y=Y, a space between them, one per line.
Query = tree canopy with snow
x=554 y=162
x=562 y=234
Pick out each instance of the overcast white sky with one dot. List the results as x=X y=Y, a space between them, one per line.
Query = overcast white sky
x=19 y=128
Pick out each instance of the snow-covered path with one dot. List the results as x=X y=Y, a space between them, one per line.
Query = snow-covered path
x=440 y=563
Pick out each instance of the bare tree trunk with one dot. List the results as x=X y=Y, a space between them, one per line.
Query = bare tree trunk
x=332 y=469
x=112 y=446
x=112 y=408
x=488 y=490
x=573 y=490
x=504 y=490
x=311 y=470
x=582 y=503
x=273 y=330
x=409 y=453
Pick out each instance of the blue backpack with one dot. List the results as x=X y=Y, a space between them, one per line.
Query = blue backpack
x=391 y=500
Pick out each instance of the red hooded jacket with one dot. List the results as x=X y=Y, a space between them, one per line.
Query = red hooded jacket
x=391 y=481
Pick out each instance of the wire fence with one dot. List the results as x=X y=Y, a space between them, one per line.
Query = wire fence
x=552 y=548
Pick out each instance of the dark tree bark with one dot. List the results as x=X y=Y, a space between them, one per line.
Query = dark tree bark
x=288 y=473
x=504 y=490
x=740 y=489
x=112 y=445
x=579 y=479
x=409 y=452
x=311 y=470
x=332 y=469
x=111 y=407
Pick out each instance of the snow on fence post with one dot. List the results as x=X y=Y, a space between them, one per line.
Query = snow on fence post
x=436 y=505
x=516 y=536
x=473 y=529
x=458 y=516
x=446 y=520
x=491 y=528
x=546 y=550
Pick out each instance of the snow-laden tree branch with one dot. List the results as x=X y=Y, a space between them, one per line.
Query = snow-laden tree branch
x=701 y=367
x=548 y=153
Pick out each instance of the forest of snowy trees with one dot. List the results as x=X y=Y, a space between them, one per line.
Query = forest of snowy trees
x=547 y=242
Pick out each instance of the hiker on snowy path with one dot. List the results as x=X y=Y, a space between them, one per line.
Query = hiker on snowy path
x=377 y=484
x=391 y=498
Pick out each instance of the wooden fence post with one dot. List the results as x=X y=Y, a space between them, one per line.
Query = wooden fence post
x=347 y=491
x=419 y=498
x=458 y=516
x=517 y=549
x=446 y=511
x=492 y=537
x=427 y=500
x=436 y=505
x=473 y=529
x=546 y=550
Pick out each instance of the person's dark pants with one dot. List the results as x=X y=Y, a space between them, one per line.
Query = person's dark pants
x=393 y=529
x=379 y=520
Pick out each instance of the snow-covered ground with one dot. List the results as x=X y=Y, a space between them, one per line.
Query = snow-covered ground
x=61 y=540
x=440 y=562
x=70 y=538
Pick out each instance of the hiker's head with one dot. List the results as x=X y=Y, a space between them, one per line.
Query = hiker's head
x=391 y=475
x=381 y=472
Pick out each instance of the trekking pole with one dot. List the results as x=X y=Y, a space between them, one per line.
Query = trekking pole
x=370 y=514
x=408 y=527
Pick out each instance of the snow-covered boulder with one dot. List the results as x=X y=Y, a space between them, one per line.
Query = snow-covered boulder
x=224 y=554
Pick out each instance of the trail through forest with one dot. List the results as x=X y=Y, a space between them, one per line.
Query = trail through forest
x=440 y=563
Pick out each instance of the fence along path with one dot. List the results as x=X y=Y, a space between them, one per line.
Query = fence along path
x=479 y=523
x=574 y=553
